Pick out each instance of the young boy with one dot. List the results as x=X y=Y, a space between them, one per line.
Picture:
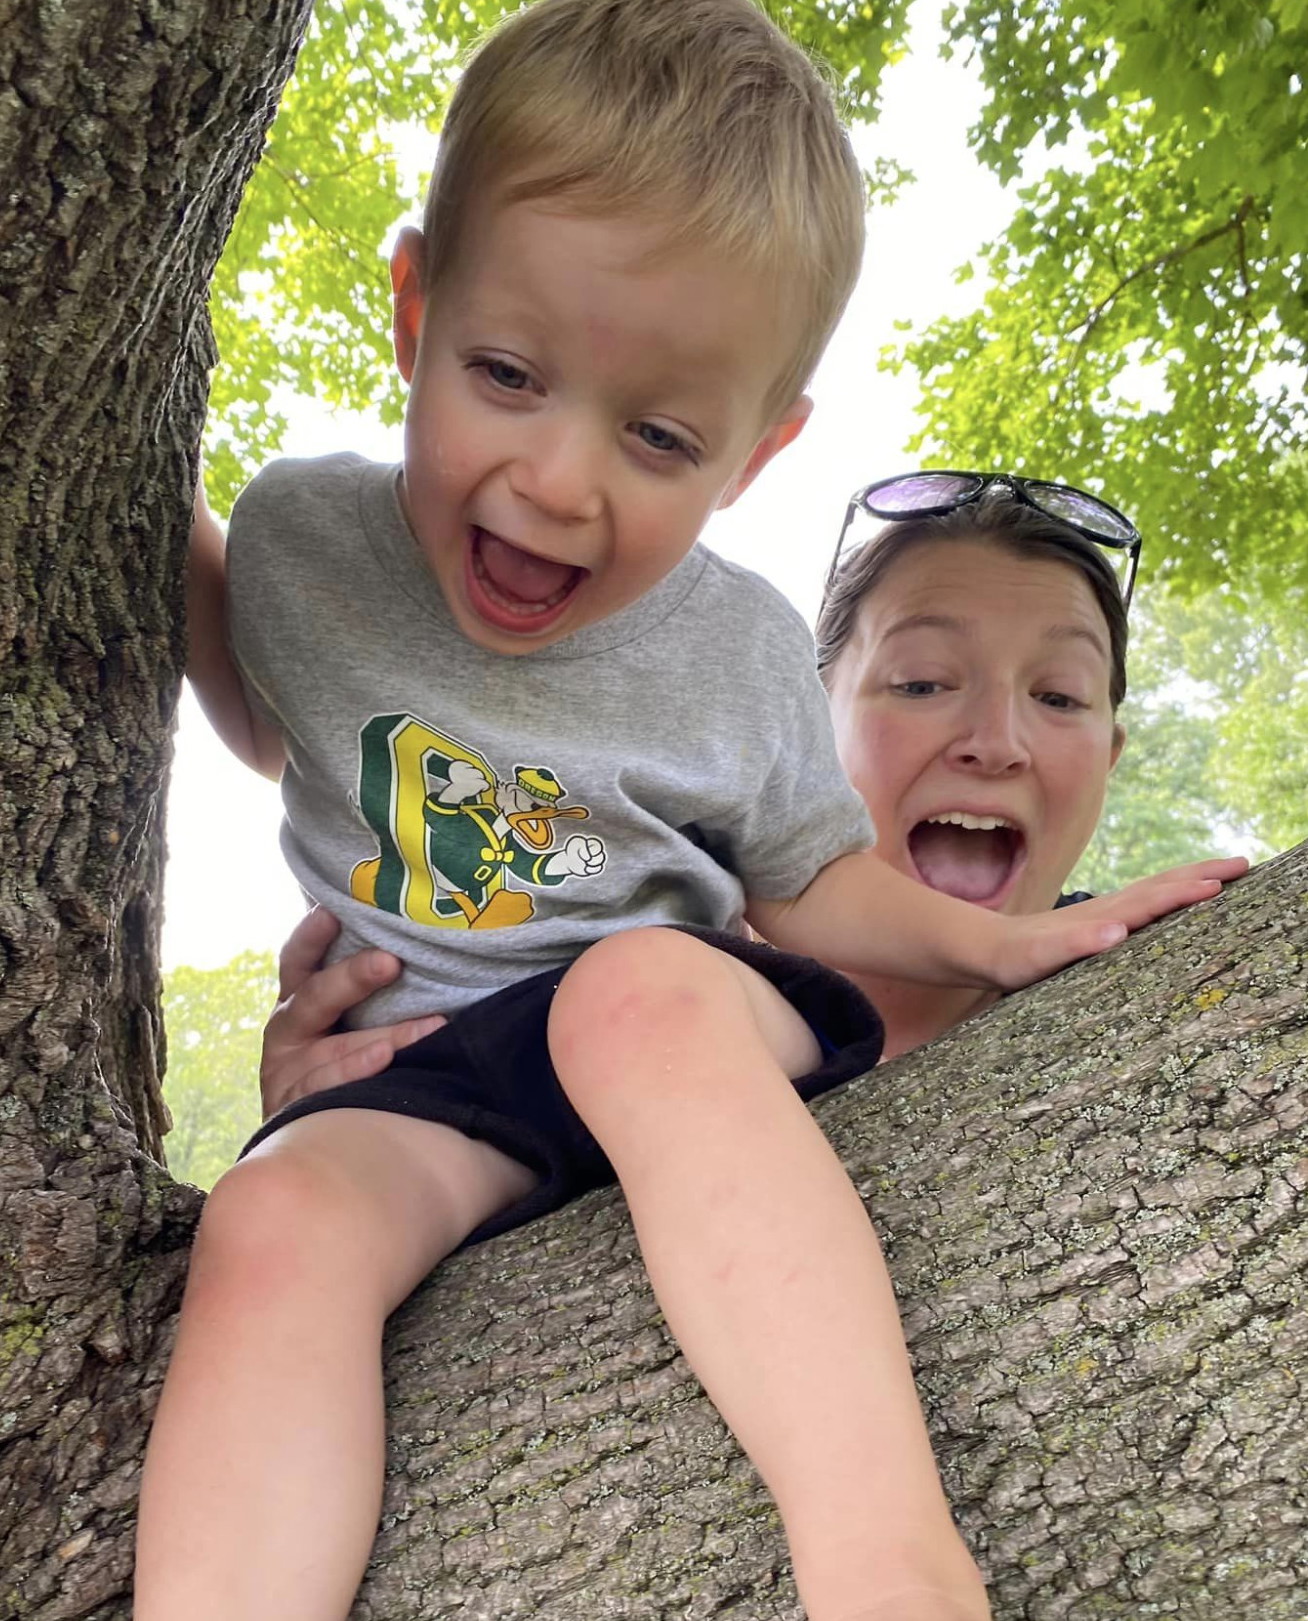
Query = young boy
x=548 y=751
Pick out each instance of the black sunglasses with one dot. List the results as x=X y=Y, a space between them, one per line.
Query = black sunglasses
x=928 y=494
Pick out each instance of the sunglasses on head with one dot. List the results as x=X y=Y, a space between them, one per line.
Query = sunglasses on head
x=929 y=494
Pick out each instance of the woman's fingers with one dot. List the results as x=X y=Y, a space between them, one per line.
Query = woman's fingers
x=304 y=950
x=1137 y=906
x=290 y=1072
x=1148 y=898
x=1223 y=867
x=322 y=995
x=302 y=1049
x=1220 y=870
x=351 y=1055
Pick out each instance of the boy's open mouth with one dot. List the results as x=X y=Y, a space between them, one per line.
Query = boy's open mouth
x=973 y=858
x=514 y=589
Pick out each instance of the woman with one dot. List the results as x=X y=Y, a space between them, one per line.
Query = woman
x=974 y=652
x=975 y=657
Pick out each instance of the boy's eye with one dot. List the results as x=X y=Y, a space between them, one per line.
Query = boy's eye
x=663 y=440
x=503 y=373
x=1059 y=700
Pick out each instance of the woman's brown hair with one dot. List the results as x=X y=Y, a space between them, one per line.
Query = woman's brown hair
x=996 y=518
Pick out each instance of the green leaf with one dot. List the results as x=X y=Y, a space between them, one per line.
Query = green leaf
x=301 y=298
x=214 y=1019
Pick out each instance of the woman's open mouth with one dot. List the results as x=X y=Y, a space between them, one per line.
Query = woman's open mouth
x=513 y=589
x=973 y=858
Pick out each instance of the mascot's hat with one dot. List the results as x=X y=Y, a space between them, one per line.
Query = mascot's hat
x=540 y=782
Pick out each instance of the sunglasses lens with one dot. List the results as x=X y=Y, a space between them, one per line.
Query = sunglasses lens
x=918 y=492
x=1075 y=506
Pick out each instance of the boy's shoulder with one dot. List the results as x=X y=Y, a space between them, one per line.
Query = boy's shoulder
x=744 y=599
x=303 y=522
x=309 y=512
x=319 y=479
x=738 y=638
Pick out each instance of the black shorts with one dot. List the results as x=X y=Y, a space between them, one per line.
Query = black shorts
x=488 y=1074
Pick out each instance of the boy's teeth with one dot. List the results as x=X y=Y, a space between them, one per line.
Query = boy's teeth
x=963 y=819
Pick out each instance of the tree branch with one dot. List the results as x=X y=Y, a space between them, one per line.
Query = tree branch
x=1172 y=256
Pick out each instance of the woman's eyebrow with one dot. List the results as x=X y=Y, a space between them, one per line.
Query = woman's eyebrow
x=964 y=627
x=1083 y=633
x=926 y=622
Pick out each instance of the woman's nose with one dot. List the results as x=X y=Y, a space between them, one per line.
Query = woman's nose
x=991 y=740
x=558 y=472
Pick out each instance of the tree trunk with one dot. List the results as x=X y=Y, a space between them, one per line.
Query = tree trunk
x=1092 y=1201
x=127 y=130
x=1092 y=1198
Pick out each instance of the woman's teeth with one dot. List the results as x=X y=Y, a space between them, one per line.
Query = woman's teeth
x=984 y=824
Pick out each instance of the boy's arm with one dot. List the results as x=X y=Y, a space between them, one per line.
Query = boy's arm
x=210 y=667
x=863 y=917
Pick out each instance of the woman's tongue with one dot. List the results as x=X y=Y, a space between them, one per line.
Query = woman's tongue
x=969 y=863
x=517 y=575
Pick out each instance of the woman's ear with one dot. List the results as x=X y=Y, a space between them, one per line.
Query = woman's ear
x=1119 y=740
x=786 y=428
x=408 y=298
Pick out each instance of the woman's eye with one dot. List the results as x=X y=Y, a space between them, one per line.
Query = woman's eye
x=663 y=440
x=916 y=689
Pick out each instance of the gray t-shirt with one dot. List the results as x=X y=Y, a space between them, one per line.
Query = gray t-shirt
x=486 y=817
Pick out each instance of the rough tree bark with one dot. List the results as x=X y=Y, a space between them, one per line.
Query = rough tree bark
x=1093 y=1198
x=1093 y=1204
x=127 y=130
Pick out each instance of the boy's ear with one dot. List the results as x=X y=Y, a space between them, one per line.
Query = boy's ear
x=778 y=436
x=1119 y=739
x=408 y=298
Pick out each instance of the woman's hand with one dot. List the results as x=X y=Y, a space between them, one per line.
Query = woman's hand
x=1041 y=943
x=301 y=1054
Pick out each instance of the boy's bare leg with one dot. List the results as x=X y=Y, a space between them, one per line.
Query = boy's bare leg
x=765 y=1265
x=263 y=1475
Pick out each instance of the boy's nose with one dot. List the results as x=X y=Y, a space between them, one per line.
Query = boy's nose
x=558 y=473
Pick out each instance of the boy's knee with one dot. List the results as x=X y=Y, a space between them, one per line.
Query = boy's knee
x=637 y=987
x=269 y=1220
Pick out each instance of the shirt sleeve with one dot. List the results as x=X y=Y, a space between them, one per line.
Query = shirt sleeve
x=284 y=543
x=804 y=814
x=251 y=579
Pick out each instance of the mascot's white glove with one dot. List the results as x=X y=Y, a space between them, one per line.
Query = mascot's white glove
x=581 y=857
x=467 y=781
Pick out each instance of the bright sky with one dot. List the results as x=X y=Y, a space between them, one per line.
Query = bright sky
x=226 y=887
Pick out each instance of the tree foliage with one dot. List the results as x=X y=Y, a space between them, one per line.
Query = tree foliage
x=300 y=302
x=1146 y=327
x=300 y=299
x=1217 y=738
x=1145 y=330
x=215 y=1020
x=1250 y=671
x=1162 y=807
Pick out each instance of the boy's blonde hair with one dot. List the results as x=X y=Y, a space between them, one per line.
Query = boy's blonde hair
x=697 y=114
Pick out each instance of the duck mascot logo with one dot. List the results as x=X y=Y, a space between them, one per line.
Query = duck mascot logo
x=451 y=834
